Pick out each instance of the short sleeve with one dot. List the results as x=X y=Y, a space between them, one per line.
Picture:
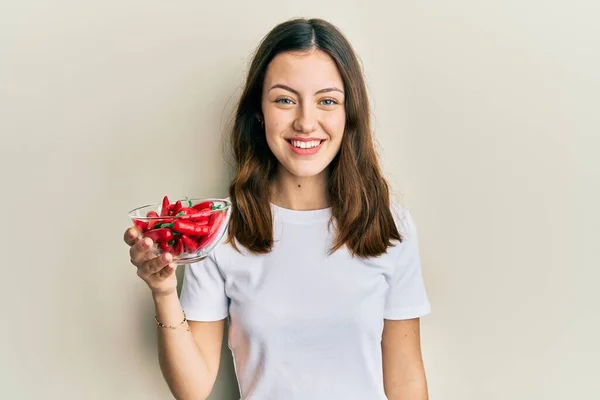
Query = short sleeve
x=407 y=296
x=203 y=295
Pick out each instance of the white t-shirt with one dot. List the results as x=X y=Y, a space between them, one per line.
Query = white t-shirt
x=305 y=325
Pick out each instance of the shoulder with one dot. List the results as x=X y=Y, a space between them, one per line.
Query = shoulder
x=408 y=247
x=404 y=220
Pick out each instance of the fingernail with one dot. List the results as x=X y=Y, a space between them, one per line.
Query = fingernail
x=167 y=257
x=146 y=242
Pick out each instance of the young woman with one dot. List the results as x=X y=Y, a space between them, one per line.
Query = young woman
x=319 y=272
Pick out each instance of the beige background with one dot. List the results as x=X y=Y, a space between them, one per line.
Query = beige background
x=488 y=123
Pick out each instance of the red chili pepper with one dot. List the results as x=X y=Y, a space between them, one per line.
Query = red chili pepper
x=164 y=246
x=152 y=214
x=160 y=235
x=216 y=222
x=190 y=244
x=197 y=219
x=166 y=220
x=178 y=247
x=205 y=204
x=164 y=211
x=190 y=228
x=176 y=208
x=187 y=210
x=142 y=226
x=201 y=217
x=153 y=223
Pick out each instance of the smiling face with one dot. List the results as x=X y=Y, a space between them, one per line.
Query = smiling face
x=303 y=109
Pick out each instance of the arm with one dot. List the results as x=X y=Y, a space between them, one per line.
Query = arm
x=189 y=360
x=188 y=355
x=403 y=370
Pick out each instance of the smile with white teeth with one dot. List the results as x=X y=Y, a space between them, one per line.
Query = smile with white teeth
x=305 y=145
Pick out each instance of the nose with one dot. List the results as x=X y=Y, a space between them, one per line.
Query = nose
x=306 y=121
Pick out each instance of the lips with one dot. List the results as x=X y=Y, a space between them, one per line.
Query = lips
x=302 y=144
x=305 y=151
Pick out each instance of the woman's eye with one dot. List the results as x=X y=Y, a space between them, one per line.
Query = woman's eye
x=328 y=102
x=284 y=100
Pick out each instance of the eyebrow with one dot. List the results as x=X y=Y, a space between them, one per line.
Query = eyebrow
x=325 y=90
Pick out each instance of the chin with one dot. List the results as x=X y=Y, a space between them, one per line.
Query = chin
x=306 y=171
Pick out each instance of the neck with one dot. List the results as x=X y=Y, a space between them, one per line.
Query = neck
x=300 y=193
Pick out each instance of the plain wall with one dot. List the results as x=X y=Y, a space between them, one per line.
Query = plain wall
x=486 y=118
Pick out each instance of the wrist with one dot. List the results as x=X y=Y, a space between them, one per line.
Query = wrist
x=160 y=297
x=168 y=308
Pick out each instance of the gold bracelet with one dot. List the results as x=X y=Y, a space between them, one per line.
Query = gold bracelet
x=171 y=326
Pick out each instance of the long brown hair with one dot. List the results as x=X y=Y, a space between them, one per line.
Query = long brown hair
x=358 y=192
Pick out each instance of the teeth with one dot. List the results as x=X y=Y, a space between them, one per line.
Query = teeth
x=305 y=145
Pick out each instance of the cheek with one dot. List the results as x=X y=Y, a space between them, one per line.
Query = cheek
x=334 y=125
x=277 y=117
x=270 y=139
x=273 y=136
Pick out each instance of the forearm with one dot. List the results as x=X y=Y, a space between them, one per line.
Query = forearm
x=182 y=364
x=414 y=390
x=403 y=370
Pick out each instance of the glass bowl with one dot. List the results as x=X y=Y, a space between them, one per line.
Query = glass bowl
x=189 y=229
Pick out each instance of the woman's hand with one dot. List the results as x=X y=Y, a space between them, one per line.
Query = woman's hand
x=157 y=272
